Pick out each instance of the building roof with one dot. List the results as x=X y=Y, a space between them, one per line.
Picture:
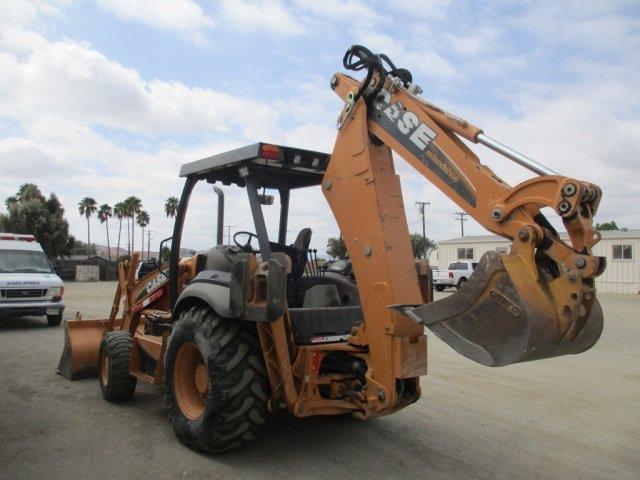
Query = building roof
x=605 y=234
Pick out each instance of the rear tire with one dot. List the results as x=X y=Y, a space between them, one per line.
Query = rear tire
x=461 y=283
x=215 y=384
x=439 y=288
x=54 y=320
x=116 y=383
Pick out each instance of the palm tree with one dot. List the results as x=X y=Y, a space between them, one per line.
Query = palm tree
x=143 y=221
x=134 y=205
x=125 y=212
x=87 y=207
x=104 y=213
x=118 y=212
x=10 y=202
x=171 y=206
x=336 y=247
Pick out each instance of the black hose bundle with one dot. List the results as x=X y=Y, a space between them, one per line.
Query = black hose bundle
x=359 y=57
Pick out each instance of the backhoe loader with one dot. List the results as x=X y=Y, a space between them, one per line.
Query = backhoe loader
x=245 y=330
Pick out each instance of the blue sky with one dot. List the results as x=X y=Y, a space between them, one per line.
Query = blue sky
x=108 y=98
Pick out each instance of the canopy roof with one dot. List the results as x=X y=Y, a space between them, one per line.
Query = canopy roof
x=270 y=166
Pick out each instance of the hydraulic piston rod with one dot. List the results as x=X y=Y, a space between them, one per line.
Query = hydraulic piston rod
x=517 y=157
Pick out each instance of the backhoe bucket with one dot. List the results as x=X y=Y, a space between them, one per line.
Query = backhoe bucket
x=81 y=348
x=507 y=313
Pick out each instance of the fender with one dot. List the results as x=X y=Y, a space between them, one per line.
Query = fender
x=211 y=287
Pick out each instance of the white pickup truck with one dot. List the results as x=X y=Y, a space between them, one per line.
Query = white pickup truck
x=28 y=284
x=455 y=276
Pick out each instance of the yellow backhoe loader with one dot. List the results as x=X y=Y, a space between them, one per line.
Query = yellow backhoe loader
x=247 y=329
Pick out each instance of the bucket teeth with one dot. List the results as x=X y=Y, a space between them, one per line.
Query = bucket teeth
x=505 y=315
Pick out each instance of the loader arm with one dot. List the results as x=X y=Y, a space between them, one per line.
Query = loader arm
x=539 y=301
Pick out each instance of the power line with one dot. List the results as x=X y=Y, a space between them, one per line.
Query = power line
x=461 y=218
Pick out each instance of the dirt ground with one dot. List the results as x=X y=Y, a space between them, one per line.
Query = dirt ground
x=570 y=417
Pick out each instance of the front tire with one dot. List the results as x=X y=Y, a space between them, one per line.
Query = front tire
x=116 y=383
x=439 y=288
x=215 y=384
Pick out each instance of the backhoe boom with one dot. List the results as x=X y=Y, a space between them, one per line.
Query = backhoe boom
x=536 y=302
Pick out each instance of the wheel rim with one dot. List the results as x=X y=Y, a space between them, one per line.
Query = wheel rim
x=190 y=381
x=104 y=368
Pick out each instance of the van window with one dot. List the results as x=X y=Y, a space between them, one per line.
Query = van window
x=24 y=261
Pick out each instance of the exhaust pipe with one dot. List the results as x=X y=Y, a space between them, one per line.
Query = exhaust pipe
x=220 y=231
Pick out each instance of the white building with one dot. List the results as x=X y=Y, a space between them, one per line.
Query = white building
x=621 y=249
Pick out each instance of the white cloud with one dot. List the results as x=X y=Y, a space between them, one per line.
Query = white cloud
x=185 y=17
x=479 y=40
x=351 y=11
x=74 y=81
x=434 y=9
x=422 y=60
x=261 y=15
x=24 y=13
x=598 y=26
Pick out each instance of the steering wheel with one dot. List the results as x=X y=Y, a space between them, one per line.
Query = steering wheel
x=246 y=247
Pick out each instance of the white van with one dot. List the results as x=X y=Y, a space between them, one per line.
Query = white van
x=28 y=284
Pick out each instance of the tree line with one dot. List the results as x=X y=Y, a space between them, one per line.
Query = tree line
x=30 y=212
x=131 y=210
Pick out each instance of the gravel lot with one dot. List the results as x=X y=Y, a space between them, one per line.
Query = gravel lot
x=572 y=417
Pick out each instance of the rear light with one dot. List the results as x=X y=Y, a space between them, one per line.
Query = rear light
x=270 y=152
x=450 y=274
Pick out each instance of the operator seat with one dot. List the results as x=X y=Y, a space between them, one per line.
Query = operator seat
x=303 y=240
x=301 y=245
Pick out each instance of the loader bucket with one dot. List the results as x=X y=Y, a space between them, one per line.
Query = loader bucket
x=505 y=314
x=80 y=355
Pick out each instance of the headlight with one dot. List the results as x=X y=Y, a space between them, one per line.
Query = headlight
x=57 y=292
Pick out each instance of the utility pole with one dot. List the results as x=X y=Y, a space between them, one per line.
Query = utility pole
x=461 y=216
x=421 y=209
x=229 y=227
x=148 y=244
x=421 y=206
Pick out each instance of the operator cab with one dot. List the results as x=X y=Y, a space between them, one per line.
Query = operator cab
x=257 y=168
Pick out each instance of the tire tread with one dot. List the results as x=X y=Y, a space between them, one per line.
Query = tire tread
x=121 y=384
x=238 y=382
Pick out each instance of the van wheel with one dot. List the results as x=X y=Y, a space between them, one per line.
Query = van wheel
x=461 y=283
x=440 y=288
x=54 y=320
x=116 y=383
x=215 y=383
